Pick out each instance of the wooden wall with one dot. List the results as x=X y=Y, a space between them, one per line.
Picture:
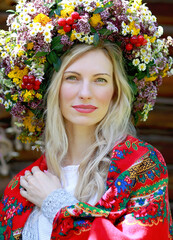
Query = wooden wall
x=158 y=130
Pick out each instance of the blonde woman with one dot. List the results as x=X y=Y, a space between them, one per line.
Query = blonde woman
x=77 y=75
x=92 y=182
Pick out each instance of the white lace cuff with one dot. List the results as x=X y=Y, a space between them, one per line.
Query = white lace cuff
x=55 y=201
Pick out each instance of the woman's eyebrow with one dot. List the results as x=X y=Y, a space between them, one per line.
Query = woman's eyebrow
x=97 y=74
x=71 y=72
x=102 y=74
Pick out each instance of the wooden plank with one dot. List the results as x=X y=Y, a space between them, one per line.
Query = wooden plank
x=166 y=89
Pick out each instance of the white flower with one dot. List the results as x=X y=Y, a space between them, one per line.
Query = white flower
x=49 y=26
x=130 y=18
x=47 y=33
x=136 y=62
x=6 y=105
x=147 y=60
x=142 y=67
x=78 y=35
x=124 y=32
x=123 y=24
x=31 y=9
x=19 y=7
x=143 y=51
x=47 y=39
x=153 y=18
x=91 y=39
x=13 y=25
x=30 y=25
x=10 y=103
x=159 y=32
x=26 y=19
x=146 y=109
x=1 y=100
x=33 y=33
x=25 y=10
x=4 y=55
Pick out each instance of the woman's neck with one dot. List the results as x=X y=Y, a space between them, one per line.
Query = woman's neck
x=80 y=139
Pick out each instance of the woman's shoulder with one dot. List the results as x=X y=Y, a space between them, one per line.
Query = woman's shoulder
x=134 y=148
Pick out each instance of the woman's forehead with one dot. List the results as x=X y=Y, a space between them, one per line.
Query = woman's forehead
x=93 y=60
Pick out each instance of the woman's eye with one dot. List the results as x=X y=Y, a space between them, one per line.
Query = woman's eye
x=71 y=78
x=101 y=80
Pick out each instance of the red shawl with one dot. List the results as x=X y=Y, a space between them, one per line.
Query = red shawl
x=135 y=205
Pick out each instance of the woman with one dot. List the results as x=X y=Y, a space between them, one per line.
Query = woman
x=91 y=104
x=95 y=180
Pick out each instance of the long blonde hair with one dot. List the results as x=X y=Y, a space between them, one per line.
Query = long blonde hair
x=113 y=128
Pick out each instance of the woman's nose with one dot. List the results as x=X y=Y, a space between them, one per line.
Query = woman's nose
x=85 y=90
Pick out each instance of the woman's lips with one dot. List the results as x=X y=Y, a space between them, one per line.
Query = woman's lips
x=84 y=108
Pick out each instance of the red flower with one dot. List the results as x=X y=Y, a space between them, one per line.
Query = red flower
x=11 y=211
x=108 y=198
x=66 y=225
x=152 y=209
x=3 y=220
x=77 y=212
x=7 y=233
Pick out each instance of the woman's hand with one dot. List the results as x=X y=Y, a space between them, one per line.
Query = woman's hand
x=37 y=185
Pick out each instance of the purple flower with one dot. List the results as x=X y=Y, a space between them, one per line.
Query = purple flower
x=18 y=110
x=83 y=26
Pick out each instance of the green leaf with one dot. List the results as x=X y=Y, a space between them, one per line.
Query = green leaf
x=58 y=10
x=52 y=12
x=58 y=47
x=92 y=29
x=105 y=31
x=11 y=11
x=57 y=65
x=132 y=85
x=40 y=54
x=98 y=10
x=96 y=39
x=55 y=41
x=52 y=57
x=109 y=4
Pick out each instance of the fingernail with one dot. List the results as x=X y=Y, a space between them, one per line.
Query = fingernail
x=45 y=171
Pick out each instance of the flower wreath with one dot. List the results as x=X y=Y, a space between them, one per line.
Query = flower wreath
x=41 y=31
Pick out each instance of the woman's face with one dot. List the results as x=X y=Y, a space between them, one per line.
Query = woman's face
x=87 y=89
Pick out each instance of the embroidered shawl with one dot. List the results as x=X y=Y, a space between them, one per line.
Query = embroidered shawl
x=134 y=206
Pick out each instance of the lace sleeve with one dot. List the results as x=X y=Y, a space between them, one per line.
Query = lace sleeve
x=55 y=201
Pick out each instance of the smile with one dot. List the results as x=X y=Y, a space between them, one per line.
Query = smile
x=85 y=108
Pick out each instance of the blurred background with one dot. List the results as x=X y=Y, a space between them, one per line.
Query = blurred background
x=157 y=130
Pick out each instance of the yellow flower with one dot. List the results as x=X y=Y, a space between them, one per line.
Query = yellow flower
x=150 y=39
x=26 y=139
x=39 y=96
x=151 y=79
x=67 y=11
x=95 y=20
x=15 y=97
x=30 y=46
x=28 y=122
x=129 y=10
x=73 y=37
x=28 y=95
x=42 y=18
x=20 y=53
x=42 y=59
x=133 y=29
x=17 y=81
x=18 y=73
x=164 y=73
x=61 y=31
